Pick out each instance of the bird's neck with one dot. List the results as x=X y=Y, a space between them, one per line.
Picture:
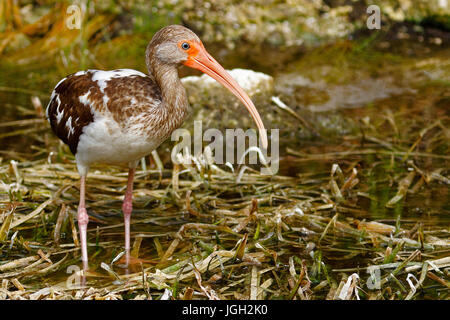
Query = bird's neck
x=173 y=93
x=175 y=105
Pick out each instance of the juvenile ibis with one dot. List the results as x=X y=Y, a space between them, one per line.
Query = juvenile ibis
x=123 y=115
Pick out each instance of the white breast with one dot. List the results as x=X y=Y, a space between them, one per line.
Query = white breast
x=104 y=141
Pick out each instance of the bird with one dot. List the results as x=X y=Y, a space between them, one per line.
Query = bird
x=119 y=116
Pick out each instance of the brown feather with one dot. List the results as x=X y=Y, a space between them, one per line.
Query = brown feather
x=67 y=93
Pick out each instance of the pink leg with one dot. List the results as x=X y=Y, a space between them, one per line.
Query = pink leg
x=83 y=220
x=127 y=207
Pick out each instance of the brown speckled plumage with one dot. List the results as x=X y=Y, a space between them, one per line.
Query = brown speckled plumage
x=65 y=101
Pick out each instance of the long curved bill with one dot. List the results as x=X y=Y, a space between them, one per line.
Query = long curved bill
x=204 y=62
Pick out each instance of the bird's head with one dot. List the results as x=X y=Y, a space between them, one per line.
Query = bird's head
x=177 y=45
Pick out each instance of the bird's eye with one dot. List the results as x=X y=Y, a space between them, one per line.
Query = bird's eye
x=185 y=46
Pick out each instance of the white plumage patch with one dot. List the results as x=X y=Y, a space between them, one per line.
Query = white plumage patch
x=105 y=141
x=84 y=98
x=102 y=77
x=59 y=113
x=69 y=127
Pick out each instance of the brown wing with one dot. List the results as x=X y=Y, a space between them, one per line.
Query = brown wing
x=66 y=113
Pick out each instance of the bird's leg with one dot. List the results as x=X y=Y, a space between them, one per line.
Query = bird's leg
x=127 y=207
x=83 y=220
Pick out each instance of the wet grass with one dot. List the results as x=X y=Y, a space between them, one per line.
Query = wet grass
x=204 y=232
x=360 y=215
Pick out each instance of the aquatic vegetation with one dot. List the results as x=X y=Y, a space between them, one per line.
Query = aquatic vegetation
x=359 y=209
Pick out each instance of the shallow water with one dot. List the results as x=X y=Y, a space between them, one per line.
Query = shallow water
x=381 y=105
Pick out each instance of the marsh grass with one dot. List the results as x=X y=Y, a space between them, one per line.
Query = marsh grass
x=205 y=232
x=359 y=216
